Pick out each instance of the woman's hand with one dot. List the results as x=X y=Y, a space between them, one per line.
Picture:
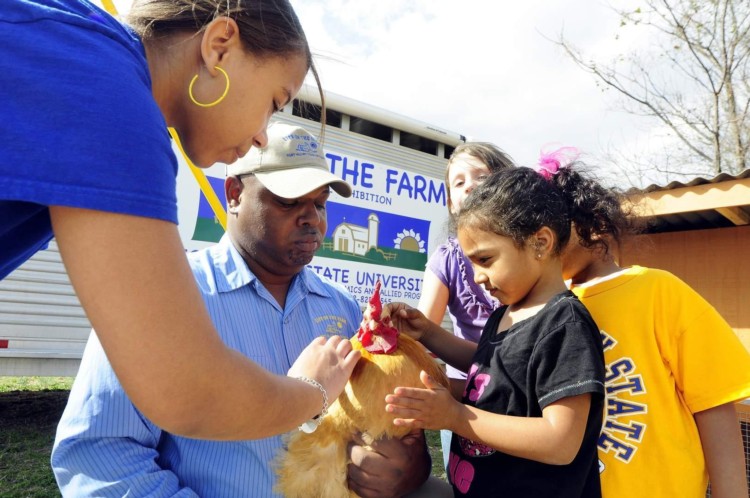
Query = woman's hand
x=330 y=362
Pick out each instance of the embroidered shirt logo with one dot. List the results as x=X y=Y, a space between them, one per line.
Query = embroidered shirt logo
x=333 y=324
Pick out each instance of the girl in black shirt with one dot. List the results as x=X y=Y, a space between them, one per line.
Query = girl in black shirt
x=529 y=419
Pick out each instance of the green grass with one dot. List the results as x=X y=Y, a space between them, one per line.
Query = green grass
x=35 y=384
x=436 y=452
x=24 y=463
x=29 y=410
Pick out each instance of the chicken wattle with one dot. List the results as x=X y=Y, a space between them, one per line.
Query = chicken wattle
x=376 y=333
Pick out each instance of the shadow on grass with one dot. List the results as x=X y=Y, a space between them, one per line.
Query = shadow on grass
x=27 y=430
x=28 y=420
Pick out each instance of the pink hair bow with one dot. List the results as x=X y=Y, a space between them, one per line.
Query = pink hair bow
x=550 y=163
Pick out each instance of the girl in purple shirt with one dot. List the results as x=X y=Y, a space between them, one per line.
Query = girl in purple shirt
x=449 y=278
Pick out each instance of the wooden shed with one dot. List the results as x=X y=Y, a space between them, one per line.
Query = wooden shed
x=700 y=231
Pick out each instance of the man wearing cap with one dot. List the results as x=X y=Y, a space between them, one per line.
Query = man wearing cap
x=267 y=305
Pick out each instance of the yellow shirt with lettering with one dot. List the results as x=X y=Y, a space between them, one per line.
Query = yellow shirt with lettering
x=669 y=354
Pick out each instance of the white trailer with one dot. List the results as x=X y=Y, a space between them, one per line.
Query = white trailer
x=393 y=221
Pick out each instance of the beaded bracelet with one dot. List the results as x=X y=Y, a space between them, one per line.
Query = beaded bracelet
x=314 y=422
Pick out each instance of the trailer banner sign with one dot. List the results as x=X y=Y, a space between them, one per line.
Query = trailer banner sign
x=385 y=231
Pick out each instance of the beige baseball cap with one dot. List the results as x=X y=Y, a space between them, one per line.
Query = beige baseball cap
x=290 y=165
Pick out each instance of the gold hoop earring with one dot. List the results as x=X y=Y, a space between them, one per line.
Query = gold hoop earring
x=210 y=104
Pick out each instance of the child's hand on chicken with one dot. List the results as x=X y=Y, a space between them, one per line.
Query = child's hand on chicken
x=408 y=320
x=431 y=408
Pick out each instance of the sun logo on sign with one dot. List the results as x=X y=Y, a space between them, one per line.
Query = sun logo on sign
x=409 y=240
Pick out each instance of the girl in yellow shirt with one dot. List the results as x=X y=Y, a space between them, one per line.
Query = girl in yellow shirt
x=674 y=365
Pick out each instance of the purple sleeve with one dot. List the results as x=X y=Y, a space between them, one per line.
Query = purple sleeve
x=441 y=263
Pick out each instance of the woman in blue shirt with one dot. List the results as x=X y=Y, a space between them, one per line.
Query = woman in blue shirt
x=86 y=158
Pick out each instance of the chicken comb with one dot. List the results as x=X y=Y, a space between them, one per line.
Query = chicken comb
x=376 y=333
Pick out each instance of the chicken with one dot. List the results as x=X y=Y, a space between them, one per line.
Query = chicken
x=314 y=465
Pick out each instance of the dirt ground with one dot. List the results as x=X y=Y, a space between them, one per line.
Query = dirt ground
x=32 y=408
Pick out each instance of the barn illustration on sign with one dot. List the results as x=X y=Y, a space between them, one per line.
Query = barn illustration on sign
x=354 y=234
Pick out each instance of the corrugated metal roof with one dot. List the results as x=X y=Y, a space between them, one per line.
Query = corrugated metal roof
x=722 y=177
x=704 y=216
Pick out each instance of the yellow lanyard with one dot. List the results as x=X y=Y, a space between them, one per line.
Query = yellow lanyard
x=200 y=176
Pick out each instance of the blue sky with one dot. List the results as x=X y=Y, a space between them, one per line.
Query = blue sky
x=482 y=68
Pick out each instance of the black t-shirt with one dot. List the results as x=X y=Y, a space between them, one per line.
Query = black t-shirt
x=553 y=355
